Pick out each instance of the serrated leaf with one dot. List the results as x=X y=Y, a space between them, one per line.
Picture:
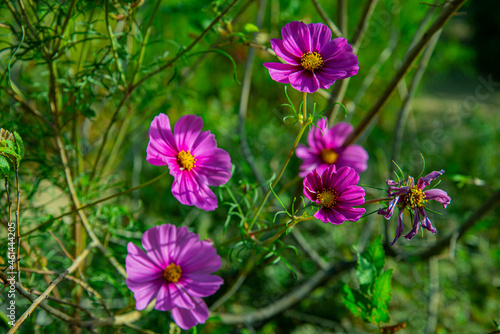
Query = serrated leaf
x=4 y=166
x=365 y=271
x=20 y=145
x=349 y=300
x=375 y=254
x=382 y=295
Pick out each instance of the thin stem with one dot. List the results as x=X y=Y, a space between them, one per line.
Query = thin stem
x=378 y=200
x=303 y=127
x=304 y=110
x=342 y=16
x=18 y=235
x=45 y=294
x=81 y=214
x=96 y=202
x=64 y=26
x=132 y=87
x=363 y=24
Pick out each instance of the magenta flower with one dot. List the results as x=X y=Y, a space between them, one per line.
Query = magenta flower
x=313 y=59
x=325 y=148
x=407 y=195
x=176 y=271
x=337 y=192
x=192 y=157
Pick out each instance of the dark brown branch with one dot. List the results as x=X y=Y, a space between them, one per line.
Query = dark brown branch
x=446 y=14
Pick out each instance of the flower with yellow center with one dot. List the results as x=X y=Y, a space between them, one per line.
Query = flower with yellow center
x=328 y=156
x=415 y=198
x=311 y=61
x=186 y=160
x=172 y=273
x=327 y=197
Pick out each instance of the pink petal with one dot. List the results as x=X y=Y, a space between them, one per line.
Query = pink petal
x=304 y=81
x=353 y=156
x=281 y=72
x=186 y=131
x=163 y=300
x=316 y=137
x=352 y=196
x=350 y=213
x=346 y=177
x=155 y=241
x=296 y=37
x=334 y=48
x=320 y=35
x=144 y=292
x=186 y=319
x=202 y=260
x=287 y=55
x=215 y=167
x=438 y=195
x=327 y=215
x=139 y=266
x=426 y=180
x=201 y=285
x=180 y=298
x=161 y=144
x=338 y=134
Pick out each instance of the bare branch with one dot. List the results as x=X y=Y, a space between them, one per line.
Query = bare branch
x=446 y=14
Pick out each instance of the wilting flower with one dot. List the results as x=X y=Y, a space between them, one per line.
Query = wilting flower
x=325 y=148
x=313 y=59
x=409 y=196
x=176 y=271
x=192 y=157
x=337 y=192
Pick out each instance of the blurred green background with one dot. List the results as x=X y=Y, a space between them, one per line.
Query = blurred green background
x=453 y=122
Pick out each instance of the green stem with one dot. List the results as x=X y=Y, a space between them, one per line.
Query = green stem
x=304 y=124
x=378 y=200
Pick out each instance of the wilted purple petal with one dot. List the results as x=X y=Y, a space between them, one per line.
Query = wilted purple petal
x=438 y=195
x=426 y=180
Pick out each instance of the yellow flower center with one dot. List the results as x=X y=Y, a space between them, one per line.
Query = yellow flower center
x=172 y=273
x=327 y=197
x=311 y=61
x=328 y=156
x=415 y=198
x=186 y=160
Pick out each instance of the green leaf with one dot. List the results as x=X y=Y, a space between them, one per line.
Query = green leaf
x=382 y=294
x=4 y=166
x=375 y=255
x=365 y=271
x=20 y=145
x=249 y=28
x=349 y=300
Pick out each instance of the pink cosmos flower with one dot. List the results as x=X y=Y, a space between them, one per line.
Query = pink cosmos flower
x=407 y=195
x=313 y=59
x=325 y=148
x=176 y=271
x=337 y=192
x=192 y=157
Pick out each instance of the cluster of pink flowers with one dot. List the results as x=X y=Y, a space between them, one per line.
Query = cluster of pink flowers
x=175 y=268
